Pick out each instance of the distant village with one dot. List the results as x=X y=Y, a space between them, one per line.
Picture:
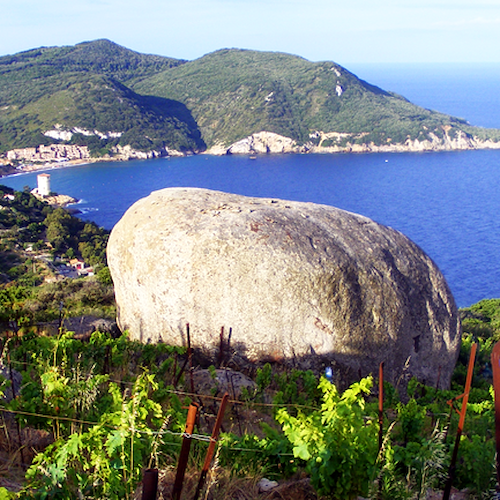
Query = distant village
x=62 y=268
x=53 y=152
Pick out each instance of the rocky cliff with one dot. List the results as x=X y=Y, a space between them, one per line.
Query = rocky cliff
x=335 y=142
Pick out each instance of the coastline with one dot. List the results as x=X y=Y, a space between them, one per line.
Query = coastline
x=264 y=143
x=33 y=167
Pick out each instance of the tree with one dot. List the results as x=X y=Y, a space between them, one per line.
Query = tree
x=57 y=235
x=62 y=229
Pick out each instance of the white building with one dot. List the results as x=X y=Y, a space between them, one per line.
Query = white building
x=43 y=181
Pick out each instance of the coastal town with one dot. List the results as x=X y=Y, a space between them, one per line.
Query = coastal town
x=42 y=157
x=52 y=152
x=63 y=155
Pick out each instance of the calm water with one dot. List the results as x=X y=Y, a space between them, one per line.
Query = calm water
x=448 y=203
x=468 y=91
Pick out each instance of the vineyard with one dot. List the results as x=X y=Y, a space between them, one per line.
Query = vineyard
x=89 y=416
x=96 y=416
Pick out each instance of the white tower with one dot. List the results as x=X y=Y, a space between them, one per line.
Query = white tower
x=43 y=181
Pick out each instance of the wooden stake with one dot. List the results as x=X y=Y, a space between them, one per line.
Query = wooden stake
x=150 y=484
x=186 y=446
x=220 y=359
x=190 y=357
x=211 y=446
x=380 y=418
x=465 y=396
x=495 y=363
x=380 y=405
x=14 y=396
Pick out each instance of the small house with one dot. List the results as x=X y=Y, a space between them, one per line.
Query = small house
x=77 y=264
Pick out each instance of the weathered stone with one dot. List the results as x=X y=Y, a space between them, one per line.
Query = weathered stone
x=220 y=381
x=264 y=142
x=269 y=142
x=294 y=281
x=266 y=485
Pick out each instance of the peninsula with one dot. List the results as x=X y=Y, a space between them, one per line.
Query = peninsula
x=98 y=101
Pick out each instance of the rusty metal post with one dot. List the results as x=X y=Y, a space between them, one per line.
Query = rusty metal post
x=14 y=396
x=190 y=357
x=495 y=363
x=380 y=405
x=186 y=446
x=150 y=484
x=465 y=396
x=220 y=358
x=211 y=446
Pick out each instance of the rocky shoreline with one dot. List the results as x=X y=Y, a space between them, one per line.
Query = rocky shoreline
x=268 y=142
x=271 y=143
x=59 y=200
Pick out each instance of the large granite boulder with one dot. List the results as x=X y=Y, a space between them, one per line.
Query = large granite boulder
x=296 y=282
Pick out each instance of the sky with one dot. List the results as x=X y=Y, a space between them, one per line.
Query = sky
x=344 y=31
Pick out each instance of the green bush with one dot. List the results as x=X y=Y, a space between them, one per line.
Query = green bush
x=338 y=442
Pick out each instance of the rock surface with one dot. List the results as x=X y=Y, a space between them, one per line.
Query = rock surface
x=295 y=281
x=128 y=153
x=218 y=382
x=264 y=142
x=59 y=200
x=335 y=142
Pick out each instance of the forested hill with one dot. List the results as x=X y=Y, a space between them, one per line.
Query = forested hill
x=235 y=93
x=107 y=95
x=88 y=87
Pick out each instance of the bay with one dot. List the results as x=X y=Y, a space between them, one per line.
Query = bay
x=447 y=202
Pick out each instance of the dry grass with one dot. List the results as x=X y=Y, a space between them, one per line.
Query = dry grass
x=222 y=485
x=14 y=460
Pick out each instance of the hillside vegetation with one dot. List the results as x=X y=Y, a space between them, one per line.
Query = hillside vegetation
x=81 y=87
x=157 y=103
x=234 y=93
x=37 y=242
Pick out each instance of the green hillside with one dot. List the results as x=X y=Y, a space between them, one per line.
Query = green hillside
x=100 y=56
x=81 y=87
x=152 y=102
x=234 y=93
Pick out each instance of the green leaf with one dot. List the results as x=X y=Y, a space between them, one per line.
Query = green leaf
x=115 y=441
x=301 y=451
x=6 y=494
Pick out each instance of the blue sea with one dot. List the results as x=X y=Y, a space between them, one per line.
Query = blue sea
x=448 y=202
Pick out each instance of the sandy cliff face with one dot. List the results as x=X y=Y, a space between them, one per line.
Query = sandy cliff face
x=264 y=142
x=295 y=281
x=128 y=153
x=259 y=143
x=268 y=142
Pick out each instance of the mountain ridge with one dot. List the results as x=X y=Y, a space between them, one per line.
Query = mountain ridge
x=163 y=105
